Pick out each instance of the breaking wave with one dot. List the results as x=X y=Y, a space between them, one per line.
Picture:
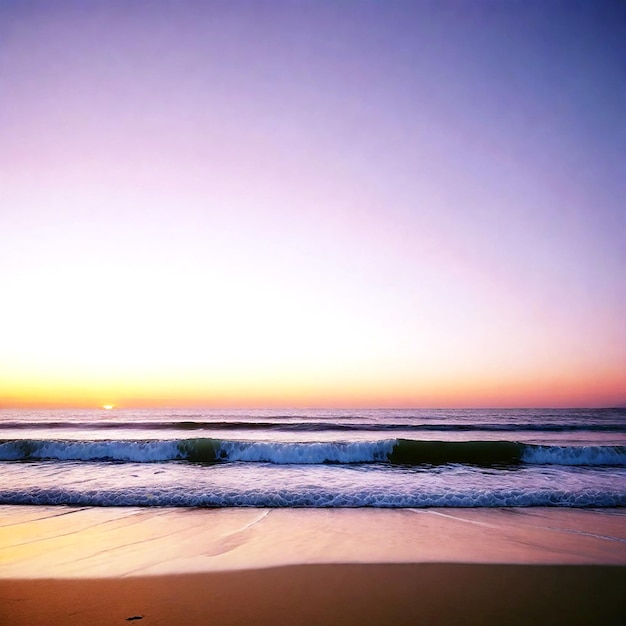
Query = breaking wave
x=388 y=451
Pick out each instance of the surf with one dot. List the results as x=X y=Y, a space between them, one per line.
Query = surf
x=387 y=451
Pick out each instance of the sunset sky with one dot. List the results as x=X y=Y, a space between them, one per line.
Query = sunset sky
x=331 y=203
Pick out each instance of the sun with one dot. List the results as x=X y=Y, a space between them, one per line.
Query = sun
x=108 y=407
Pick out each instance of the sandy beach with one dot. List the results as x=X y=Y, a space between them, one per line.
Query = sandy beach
x=62 y=565
x=330 y=594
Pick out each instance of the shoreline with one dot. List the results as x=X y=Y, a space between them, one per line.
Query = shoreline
x=64 y=565
x=91 y=542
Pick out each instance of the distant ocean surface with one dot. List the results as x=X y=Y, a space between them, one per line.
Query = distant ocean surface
x=314 y=458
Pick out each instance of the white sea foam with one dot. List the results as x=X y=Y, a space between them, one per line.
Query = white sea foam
x=306 y=453
x=294 y=453
x=575 y=455
x=61 y=450
x=314 y=498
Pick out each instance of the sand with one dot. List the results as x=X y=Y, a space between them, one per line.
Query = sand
x=61 y=565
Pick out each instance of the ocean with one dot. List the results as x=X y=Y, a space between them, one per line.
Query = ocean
x=314 y=458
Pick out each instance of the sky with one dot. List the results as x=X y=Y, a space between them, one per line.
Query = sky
x=335 y=203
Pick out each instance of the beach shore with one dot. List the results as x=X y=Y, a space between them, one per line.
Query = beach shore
x=62 y=565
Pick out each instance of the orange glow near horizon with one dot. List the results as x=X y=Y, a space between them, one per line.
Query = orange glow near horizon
x=469 y=393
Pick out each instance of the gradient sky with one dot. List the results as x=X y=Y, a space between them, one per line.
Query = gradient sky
x=341 y=203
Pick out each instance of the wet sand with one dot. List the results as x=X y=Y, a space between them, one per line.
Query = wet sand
x=61 y=565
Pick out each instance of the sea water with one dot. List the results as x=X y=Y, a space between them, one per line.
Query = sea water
x=314 y=458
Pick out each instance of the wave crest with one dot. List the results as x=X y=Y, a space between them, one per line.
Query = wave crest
x=390 y=451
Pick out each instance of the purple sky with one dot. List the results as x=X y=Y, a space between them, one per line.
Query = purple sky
x=342 y=202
